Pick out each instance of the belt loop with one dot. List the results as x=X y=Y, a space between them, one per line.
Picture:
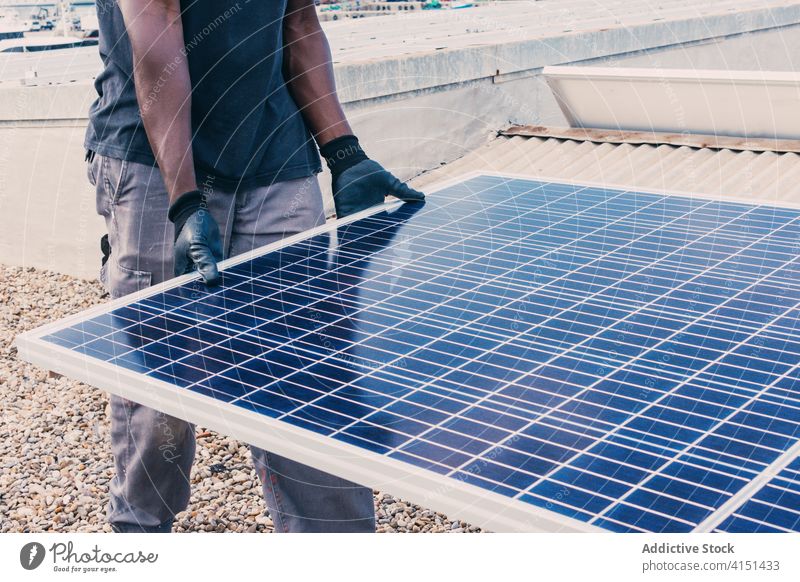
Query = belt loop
x=89 y=155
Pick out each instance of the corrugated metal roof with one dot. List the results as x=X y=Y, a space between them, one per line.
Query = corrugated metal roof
x=695 y=140
x=754 y=176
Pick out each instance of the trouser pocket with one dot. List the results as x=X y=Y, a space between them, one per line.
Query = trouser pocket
x=137 y=252
x=120 y=281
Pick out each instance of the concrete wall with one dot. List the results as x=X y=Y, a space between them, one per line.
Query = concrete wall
x=48 y=217
x=777 y=49
x=412 y=116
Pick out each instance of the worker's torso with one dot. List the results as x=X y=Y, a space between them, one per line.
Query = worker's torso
x=245 y=123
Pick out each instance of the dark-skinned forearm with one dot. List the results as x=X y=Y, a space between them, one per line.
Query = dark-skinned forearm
x=163 y=87
x=308 y=69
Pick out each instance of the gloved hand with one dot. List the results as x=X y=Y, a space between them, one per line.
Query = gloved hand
x=197 y=240
x=359 y=182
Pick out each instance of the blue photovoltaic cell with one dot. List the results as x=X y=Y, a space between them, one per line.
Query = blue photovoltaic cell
x=627 y=359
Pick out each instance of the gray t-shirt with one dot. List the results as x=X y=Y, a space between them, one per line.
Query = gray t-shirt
x=247 y=128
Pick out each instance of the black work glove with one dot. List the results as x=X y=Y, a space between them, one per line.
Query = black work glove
x=197 y=240
x=359 y=182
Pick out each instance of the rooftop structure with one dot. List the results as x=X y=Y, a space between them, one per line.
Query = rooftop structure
x=421 y=90
x=756 y=171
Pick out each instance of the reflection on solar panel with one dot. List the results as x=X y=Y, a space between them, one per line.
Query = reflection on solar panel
x=526 y=355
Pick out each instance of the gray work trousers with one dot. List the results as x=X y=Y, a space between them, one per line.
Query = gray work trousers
x=153 y=452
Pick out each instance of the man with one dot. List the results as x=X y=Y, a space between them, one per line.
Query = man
x=200 y=146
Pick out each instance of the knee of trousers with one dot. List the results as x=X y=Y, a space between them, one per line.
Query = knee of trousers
x=149 y=437
x=304 y=499
x=153 y=455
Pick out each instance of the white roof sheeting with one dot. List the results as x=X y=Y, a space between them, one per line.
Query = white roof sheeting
x=765 y=176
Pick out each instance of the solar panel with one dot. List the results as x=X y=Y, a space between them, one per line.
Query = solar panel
x=526 y=355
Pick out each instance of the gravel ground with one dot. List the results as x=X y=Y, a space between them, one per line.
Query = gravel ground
x=55 y=461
